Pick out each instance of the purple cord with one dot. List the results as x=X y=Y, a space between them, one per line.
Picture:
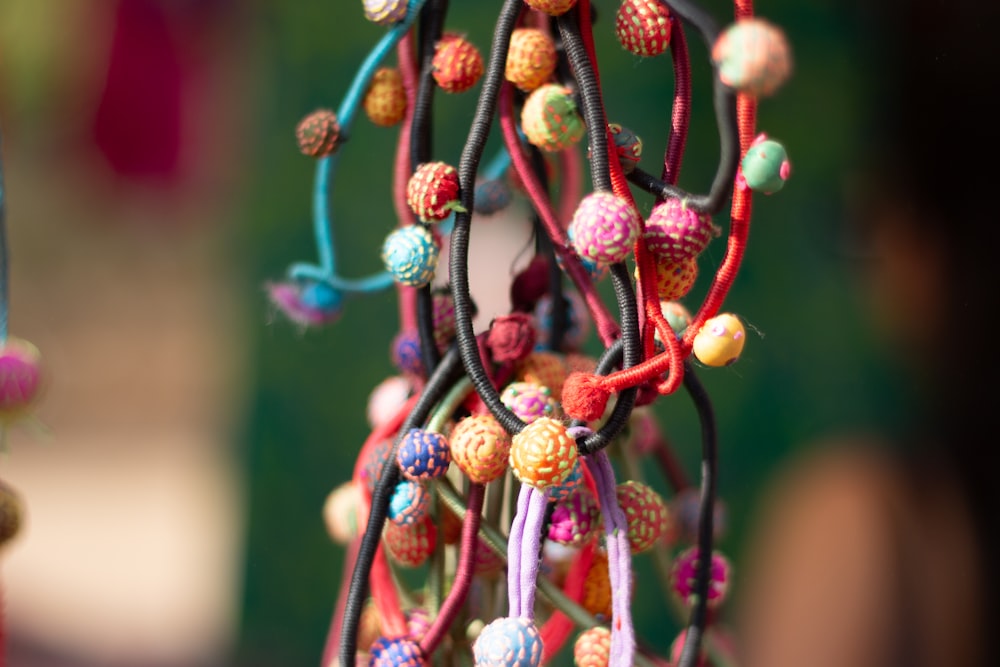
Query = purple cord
x=530 y=549
x=514 y=542
x=619 y=562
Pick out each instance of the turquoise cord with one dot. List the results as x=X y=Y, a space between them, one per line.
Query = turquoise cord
x=373 y=283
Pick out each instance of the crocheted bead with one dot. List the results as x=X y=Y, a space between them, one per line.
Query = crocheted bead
x=685 y=569
x=577 y=326
x=372 y=468
x=551 y=7
x=542 y=455
x=508 y=642
x=597 y=588
x=547 y=369
x=400 y=652
x=480 y=447
x=492 y=196
x=20 y=377
x=511 y=337
x=387 y=398
x=318 y=133
x=674 y=280
x=405 y=352
x=550 y=120
x=432 y=191
x=605 y=227
x=643 y=27
x=385 y=12
x=385 y=101
x=410 y=545
x=677 y=316
x=720 y=340
x=592 y=648
x=645 y=512
x=341 y=512
x=753 y=57
x=457 y=63
x=531 y=59
x=529 y=401
x=307 y=305
x=423 y=454
x=576 y=519
x=765 y=167
x=675 y=233
x=564 y=489
x=408 y=503
x=410 y=254
x=11 y=513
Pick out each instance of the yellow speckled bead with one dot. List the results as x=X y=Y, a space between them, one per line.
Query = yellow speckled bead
x=385 y=101
x=597 y=588
x=720 y=340
x=593 y=648
x=531 y=59
x=480 y=448
x=543 y=454
x=674 y=280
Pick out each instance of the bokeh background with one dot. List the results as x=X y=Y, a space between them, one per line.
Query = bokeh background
x=189 y=435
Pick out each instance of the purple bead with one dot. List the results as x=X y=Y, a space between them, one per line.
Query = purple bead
x=401 y=652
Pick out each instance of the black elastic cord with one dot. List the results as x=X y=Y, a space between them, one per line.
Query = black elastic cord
x=437 y=385
x=706 y=510
x=468 y=165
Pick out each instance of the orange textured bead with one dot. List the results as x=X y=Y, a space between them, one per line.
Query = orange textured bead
x=458 y=65
x=592 y=648
x=674 y=280
x=411 y=545
x=597 y=588
x=531 y=59
x=547 y=369
x=543 y=454
x=551 y=7
x=385 y=101
x=480 y=448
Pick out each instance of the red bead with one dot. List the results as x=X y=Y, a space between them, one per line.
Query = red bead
x=318 y=133
x=458 y=65
x=643 y=27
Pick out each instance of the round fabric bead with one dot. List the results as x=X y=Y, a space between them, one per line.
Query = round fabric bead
x=341 y=512
x=677 y=316
x=643 y=27
x=405 y=352
x=387 y=398
x=597 y=588
x=385 y=101
x=443 y=317
x=492 y=196
x=542 y=454
x=318 y=134
x=684 y=572
x=399 y=652
x=605 y=227
x=753 y=56
x=564 y=489
x=418 y=622
x=674 y=280
x=410 y=254
x=11 y=513
x=412 y=545
x=645 y=513
x=385 y=12
x=423 y=454
x=551 y=7
x=432 y=191
x=580 y=363
x=577 y=321
x=547 y=369
x=529 y=401
x=480 y=447
x=593 y=648
x=408 y=503
x=575 y=520
x=531 y=59
x=675 y=233
x=20 y=377
x=550 y=119
x=720 y=340
x=372 y=468
x=508 y=642
x=511 y=337
x=457 y=64
x=765 y=167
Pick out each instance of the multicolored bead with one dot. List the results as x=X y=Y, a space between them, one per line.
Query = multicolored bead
x=593 y=648
x=411 y=254
x=508 y=642
x=676 y=233
x=318 y=134
x=405 y=352
x=423 y=454
x=564 y=489
x=605 y=228
x=457 y=64
x=412 y=545
x=576 y=519
x=685 y=570
x=480 y=447
x=547 y=369
x=720 y=340
x=543 y=454
x=432 y=191
x=531 y=59
x=551 y=7
x=753 y=57
x=385 y=12
x=385 y=101
x=645 y=513
x=628 y=146
x=550 y=119
x=529 y=401
x=399 y=652
x=408 y=503
x=643 y=27
x=307 y=311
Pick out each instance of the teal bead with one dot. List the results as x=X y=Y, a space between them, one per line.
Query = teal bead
x=411 y=255
x=766 y=167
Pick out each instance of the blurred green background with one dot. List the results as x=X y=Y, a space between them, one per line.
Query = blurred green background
x=812 y=366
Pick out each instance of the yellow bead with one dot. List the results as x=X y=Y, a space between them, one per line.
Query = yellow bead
x=720 y=340
x=543 y=454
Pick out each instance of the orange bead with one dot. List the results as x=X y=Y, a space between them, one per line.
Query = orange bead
x=543 y=454
x=547 y=369
x=674 y=280
x=480 y=447
x=531 y=59
x=385 y=101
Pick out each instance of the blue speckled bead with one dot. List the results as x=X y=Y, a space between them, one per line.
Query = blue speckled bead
x=423 y=455
x=400 y=652
x=508 y=642
x=411 y=255
x=492 y=196
x=408 y=503
x=565 y=489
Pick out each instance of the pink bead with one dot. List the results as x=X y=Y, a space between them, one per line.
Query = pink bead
x=676 y=233
x=20 y=377
x=685 y=570
x=604 y=228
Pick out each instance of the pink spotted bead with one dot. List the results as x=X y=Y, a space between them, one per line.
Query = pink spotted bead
x=543 y=454
x=457 y=64
x=643 y=27
x=385 y=12
x=685 y=570
x=480 y=447
x=550 y=119
x=592 y=648
x=529 y=401
x=604 y=228
x=20 y=377
x=676 y=233
x=575 y=520
x=645 y=513
x=410 y=545
x=753 y=57
x=508 y=642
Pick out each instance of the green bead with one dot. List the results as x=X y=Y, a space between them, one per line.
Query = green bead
x=766 y=167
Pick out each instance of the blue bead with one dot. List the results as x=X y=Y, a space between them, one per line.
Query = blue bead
x=511 y=642
x=423 y=454
x=411 y=255
x=321 y=297
x=409 y=502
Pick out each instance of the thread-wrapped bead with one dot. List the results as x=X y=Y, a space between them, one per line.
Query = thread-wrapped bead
x=645 y=513
x=565 y=488
x=675 y=233
x=673 y=280
x=531 y=59
x=385 y=12
x=597 y=588
x=684 y=572
x=385 y=101
x=411 y=545
x=457 y=64
x=550 y=119
x=432 y=191
x=480 y=447
x=423 y=454
x=593 y=648
x=405 y=352
x=318 y=134
x=576 y=519
x=411 y=254
x=605 y=227
x=408 y=503
x=492 y=196
x=752 y=56
x=342 y=512
x=542 y=454
x=643 y=27
x=529 y=401
x=508 y=642
x=399 y=652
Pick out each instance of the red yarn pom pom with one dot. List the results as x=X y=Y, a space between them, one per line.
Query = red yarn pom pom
x=511 y=337
x=584 y=396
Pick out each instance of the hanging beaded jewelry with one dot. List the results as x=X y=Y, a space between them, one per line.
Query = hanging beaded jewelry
x=518 y=408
